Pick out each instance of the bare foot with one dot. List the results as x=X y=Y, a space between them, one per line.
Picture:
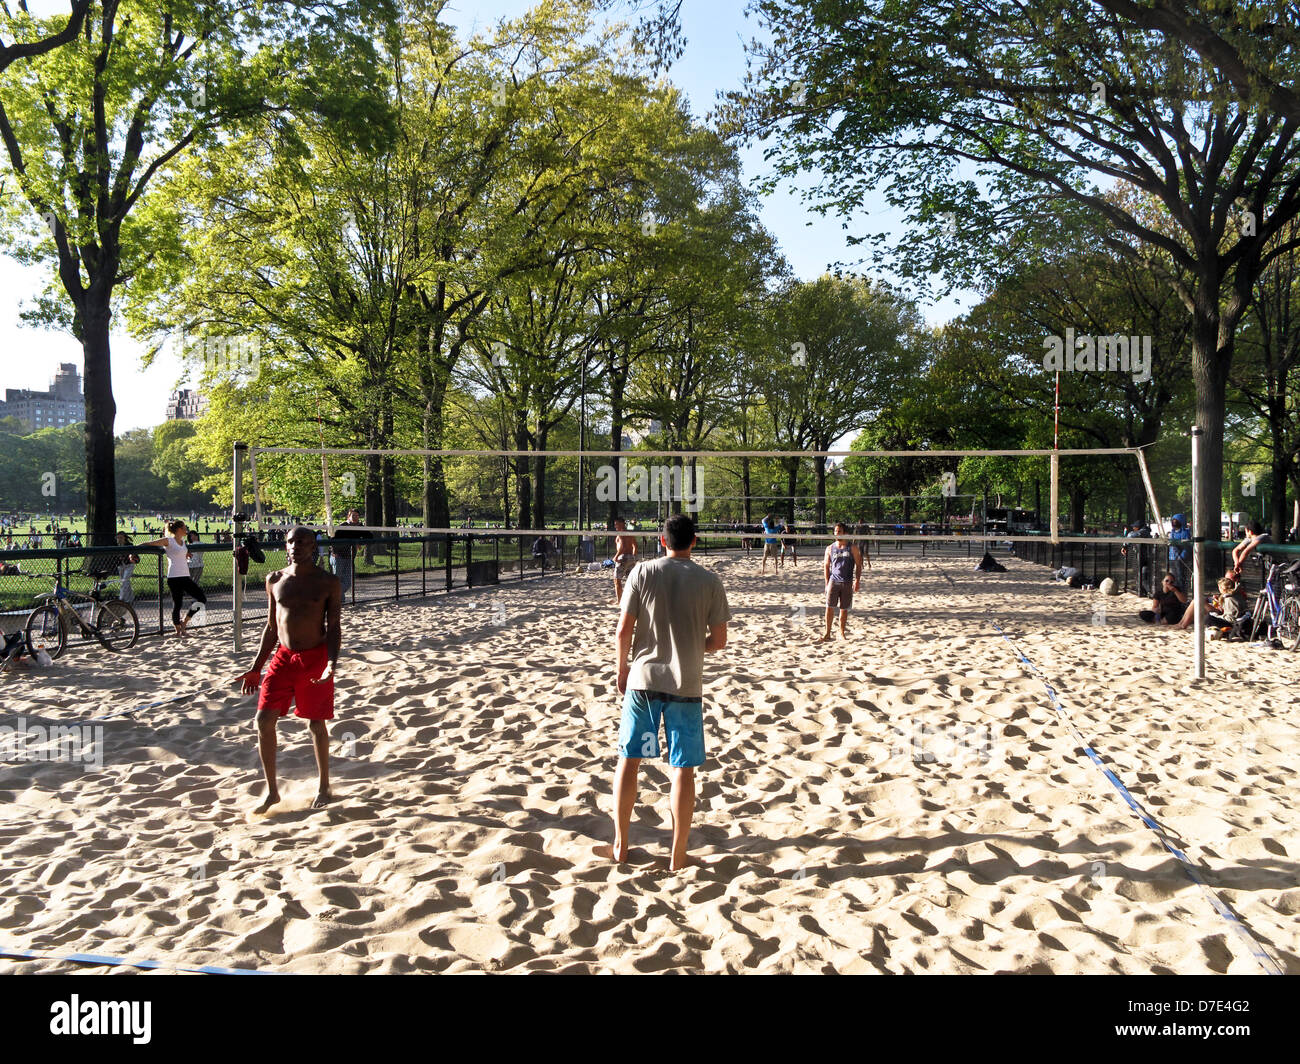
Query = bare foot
x=688 y=862
x=321 y=800
x=606 y=853
x=824 y=639
x=271 y=799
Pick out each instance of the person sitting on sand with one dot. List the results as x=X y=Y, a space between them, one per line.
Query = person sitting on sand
x=304 y=604
x=842 y=564
x=1226 y=609
x=1167 y=605
x=674 y=612
x=624 y=557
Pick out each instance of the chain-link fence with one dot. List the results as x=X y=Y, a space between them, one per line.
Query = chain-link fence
x=374 y=570
x=1138 y=567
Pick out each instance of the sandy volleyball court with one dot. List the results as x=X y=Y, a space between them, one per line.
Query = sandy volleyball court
x=906 y=801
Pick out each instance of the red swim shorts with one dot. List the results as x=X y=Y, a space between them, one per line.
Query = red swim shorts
x=289 y=679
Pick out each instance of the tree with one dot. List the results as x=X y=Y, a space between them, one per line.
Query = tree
x=178 y=464
x=848 y=348
x=16 y=50
x=90 y=125
x=1046 y=100
x=1251 y=43
x=1266 y=383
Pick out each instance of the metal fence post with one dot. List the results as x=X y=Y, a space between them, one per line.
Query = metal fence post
x=161 y=630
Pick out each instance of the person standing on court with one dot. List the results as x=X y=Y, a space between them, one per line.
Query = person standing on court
x=624 y=557
x=126 y=567
x=1180 y=542
x=1141 y=531
x=842 y=567
x=674 y=612
x=179 y=582
x=861 y=542
x=771 y=544
x=304 y=604
x=345 y=554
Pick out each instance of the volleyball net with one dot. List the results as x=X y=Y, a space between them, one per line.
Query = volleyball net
x=991 y=494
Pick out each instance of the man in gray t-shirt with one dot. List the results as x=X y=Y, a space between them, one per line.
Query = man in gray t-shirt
x=673 y=612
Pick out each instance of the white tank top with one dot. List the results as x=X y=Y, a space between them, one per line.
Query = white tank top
x=176 y=563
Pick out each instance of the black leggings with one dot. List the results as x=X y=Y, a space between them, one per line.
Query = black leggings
x=180 y=586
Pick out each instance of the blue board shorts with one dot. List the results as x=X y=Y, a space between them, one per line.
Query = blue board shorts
x=683 y=718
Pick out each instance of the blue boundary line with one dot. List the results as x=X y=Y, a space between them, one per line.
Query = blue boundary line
x=1261 y=955
x=138 y=709
x=96 y=958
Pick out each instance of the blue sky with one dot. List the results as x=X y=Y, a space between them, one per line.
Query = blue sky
x=714 y=61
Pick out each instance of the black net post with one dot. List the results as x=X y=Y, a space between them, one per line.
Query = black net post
x=161 y=624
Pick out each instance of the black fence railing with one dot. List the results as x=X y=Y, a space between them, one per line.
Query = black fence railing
x=385 y=568
x=1134 y=567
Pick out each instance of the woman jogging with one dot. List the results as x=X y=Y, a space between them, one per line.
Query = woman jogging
x=179 y=581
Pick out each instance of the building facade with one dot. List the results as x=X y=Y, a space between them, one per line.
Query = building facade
x=64 y=404
x=186 y=404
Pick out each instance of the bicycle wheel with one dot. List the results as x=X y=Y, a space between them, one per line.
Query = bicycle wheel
x=1258 y=618
x=1288 y=629
x=117 y=625
x=44 y=628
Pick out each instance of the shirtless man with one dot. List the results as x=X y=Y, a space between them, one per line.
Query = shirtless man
x=624 y=557
x=303 y=607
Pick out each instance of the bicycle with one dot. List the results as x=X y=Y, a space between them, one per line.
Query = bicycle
x=1278 y=615
x=112 y=622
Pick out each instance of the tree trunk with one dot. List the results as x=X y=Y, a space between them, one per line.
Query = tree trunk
x=523 y=479
x=389 y=469
x=615 y=444
x=435 y=511
x=1135 y=499
x=820 y=465
x=374 y=496
x=1281 y=467
x=746 y=502
x=539 y=482
x=101 y=413
x=1078 y=496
